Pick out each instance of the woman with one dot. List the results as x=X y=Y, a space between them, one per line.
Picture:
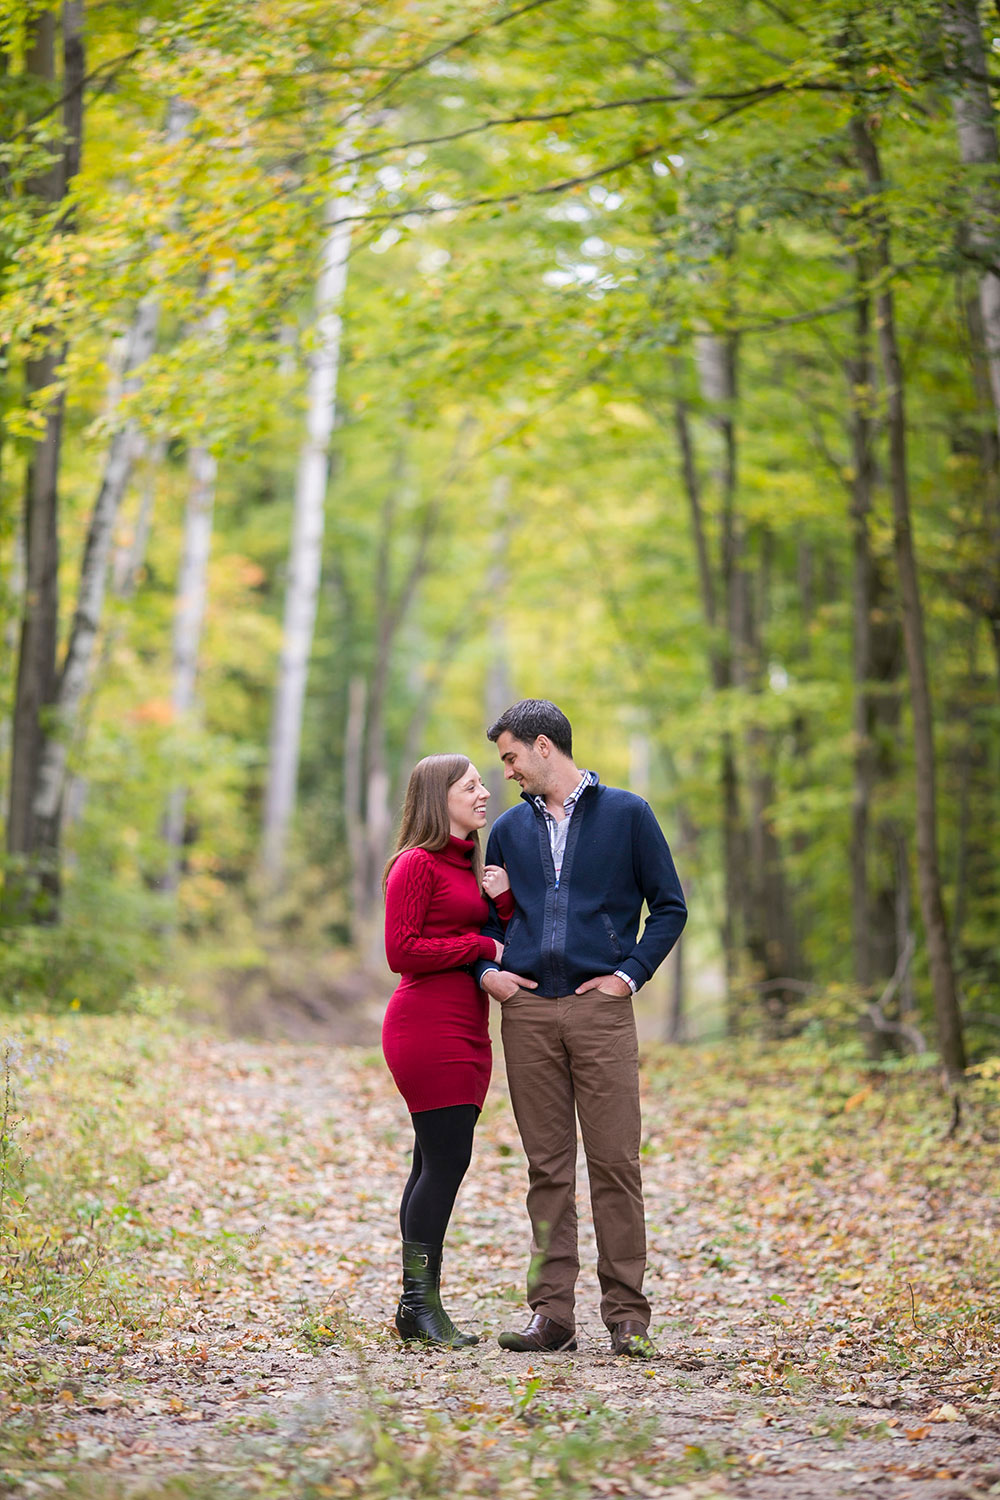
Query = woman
x=435 y=1035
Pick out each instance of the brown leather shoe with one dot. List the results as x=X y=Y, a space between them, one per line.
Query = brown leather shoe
x=542 y=1336
x=632 y=1339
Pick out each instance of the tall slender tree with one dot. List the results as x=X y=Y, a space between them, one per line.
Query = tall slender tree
x=307 y=539
x=27 y=840
x=946 y=1010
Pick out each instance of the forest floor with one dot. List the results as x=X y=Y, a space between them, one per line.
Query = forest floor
x=199 y=1274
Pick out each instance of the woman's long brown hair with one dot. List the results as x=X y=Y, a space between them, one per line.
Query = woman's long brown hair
x=425 y=823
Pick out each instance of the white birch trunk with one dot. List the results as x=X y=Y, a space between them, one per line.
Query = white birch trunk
x=306 y=547
x=50 y=778
x=130 y=554
x=189 y=607
x=189 y=615
x=192 y=583
x=75 y=672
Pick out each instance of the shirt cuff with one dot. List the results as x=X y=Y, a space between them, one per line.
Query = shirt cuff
x=620 y=974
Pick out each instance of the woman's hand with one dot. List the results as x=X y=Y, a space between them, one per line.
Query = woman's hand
x=495 y=880
x=499 y=948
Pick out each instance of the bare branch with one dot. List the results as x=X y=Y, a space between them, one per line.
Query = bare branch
x=442 y=51
x=876 y=1012
x=638 y=101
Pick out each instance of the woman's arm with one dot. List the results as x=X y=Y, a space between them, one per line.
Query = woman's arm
x=495 y=925
x=407 y=897
x=496 y=887
x=504 y=904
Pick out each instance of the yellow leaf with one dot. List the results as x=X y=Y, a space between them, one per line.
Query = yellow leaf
x=946 y=1413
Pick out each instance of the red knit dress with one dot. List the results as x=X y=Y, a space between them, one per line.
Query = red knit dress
x=435 y=1035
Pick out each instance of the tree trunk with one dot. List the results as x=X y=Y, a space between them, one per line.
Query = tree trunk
x=692 y=489
x=875 y=893
x=306 y=548
x=499 y=690
x=32 y=887
x=716 y=363
x=354 y=754
x=73 y=678
x=975 y=120
x=126 y=447
x=878 y=662
x=14 y=592
x=375 y=831
x=74 y=79
x=130 y=554
x=948 y=1018
x=904 y=929
x=378 y=815
x=860 y=384
x=192 y=592
x=675 y=1028
x=36 y=673
x=770 y=938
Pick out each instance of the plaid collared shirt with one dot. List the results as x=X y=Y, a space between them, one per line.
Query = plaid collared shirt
x=559 y=827
x=559 y=831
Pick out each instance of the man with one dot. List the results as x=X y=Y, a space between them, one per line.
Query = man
x=582 y=858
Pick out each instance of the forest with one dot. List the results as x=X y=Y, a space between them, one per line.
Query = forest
x=366 y=367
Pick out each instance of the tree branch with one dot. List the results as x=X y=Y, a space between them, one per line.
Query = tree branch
x=638 y=101
x=442 y=51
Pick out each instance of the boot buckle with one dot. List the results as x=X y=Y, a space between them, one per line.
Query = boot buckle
x=422 y=1260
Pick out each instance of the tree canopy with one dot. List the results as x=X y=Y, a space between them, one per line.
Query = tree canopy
x=664 y=381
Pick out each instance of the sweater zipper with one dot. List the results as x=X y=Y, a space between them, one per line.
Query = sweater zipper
x=543 y=832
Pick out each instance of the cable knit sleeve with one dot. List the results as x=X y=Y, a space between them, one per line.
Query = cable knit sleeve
x=407 y=898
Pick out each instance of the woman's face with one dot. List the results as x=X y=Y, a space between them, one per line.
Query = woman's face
x=467 y=799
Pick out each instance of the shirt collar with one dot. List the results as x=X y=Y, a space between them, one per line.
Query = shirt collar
x=589 y=778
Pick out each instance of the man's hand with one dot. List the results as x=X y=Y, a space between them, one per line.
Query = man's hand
x=502 y=985
x=609 y=984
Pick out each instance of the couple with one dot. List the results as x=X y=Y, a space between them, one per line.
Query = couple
x=549 y=928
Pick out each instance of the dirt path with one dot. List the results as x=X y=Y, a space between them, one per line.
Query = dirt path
x=267 y=1364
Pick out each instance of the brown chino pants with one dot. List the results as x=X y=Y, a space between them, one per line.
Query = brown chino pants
x=578 y=1055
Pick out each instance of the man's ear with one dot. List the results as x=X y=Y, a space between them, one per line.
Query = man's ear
x=543 y=745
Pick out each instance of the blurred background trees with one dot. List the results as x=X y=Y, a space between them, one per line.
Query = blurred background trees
x=366 y=370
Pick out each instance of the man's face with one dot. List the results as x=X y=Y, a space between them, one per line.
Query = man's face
x=524 y=764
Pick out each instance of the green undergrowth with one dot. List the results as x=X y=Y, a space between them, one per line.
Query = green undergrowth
x=85 y=1100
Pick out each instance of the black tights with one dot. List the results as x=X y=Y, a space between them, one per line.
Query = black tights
x=442 y=1150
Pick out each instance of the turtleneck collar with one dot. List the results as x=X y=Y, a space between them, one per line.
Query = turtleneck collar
x=457 y=851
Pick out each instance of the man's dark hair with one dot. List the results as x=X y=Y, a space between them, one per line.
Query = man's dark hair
x=530 y=718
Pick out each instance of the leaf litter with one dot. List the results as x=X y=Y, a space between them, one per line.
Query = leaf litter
x=823 y=1276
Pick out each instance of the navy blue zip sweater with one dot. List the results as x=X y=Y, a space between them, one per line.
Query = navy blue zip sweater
x=616 y=858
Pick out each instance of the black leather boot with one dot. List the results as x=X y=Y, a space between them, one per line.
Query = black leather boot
x=420 y=1314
